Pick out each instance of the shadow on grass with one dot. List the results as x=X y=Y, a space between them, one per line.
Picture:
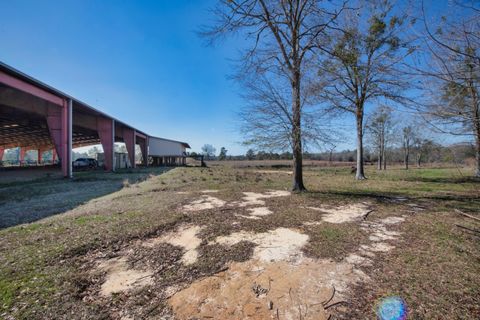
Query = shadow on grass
x=445 y=180
x=29 y=201
x=392 y=197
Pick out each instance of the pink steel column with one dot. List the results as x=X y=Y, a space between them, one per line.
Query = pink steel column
x=2 y=151
x=40 y=152
x=129 y=137
x=39 y=155
x=54 y=155
x=21 y=156
x=59 y=120
x=106 y=132
x=68 y=132
x=144 y=147
x=146 y=151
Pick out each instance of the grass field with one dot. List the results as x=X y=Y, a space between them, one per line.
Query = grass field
x=231 y=242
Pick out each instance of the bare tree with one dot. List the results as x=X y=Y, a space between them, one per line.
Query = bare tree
x=208 y=151
x=365 y=63
x=423 y=148
x=282 y=34
x=267 y=122
x=379 y=127
x=408 y=138
x=451 y=71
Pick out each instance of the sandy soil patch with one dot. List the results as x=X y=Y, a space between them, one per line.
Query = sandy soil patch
x=275 y=245
x=278 y=282
x=312 y=223
x=378 y=247
x=255 y=290
x=204 y=203
x=210 y=191
x=392 y=220
x=257 y=199
x=259 y=211
x=273 y=171
x=379 y=234
x=341 y=214
x=120 y=278
x=247 y=217
x=185 y=237
x=356 y=259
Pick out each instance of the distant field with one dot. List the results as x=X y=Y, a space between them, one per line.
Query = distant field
x=231 y=242
x=278 y=163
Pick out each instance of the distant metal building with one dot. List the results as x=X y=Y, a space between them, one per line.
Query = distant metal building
x=165 y=152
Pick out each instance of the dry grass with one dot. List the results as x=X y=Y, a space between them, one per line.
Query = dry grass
x=46 y=266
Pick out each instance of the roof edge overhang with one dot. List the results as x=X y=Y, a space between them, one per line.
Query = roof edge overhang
x=186 y=145
x=24 y=77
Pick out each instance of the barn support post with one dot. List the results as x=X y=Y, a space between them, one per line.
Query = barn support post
x=59 y=121
x=143 y=142
x=39 y=154
x=129 y=137
x=146 y=151
x=21 y=155
x=69 y=138
x=106 y=133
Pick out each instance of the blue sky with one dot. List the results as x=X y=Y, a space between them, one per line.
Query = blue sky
x=139 y=61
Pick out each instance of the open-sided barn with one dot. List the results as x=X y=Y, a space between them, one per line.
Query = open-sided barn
x=36 y=116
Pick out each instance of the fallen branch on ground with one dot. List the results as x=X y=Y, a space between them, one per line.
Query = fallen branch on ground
x=334 y=304
x=467 y=215
x=331 y=297
x=365 y=216
x=471 y=230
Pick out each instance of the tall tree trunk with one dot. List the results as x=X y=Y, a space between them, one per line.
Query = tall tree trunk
x=477 y=155
x=384 y=156
x=419 y=159
x=384 y=159
x=296 y=134
x=476 y=122
x=380 y=154
x=360 y=175
x=477 y=145
x=407 y=154
x=380 y=159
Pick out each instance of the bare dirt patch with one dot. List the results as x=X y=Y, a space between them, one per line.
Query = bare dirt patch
x=185 y=237
x=259 y=211
x=205 y=202
x=277 y=282
x=255 y=290
x=247 y=217
x=342 y=214
x=257 y=199
x=273 y=171
x=275 y=245
x=210 y=191
x=121 y=278
x=379 y=235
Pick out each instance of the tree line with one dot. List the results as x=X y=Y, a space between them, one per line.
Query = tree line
x=421 y=152
x=310 y=64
